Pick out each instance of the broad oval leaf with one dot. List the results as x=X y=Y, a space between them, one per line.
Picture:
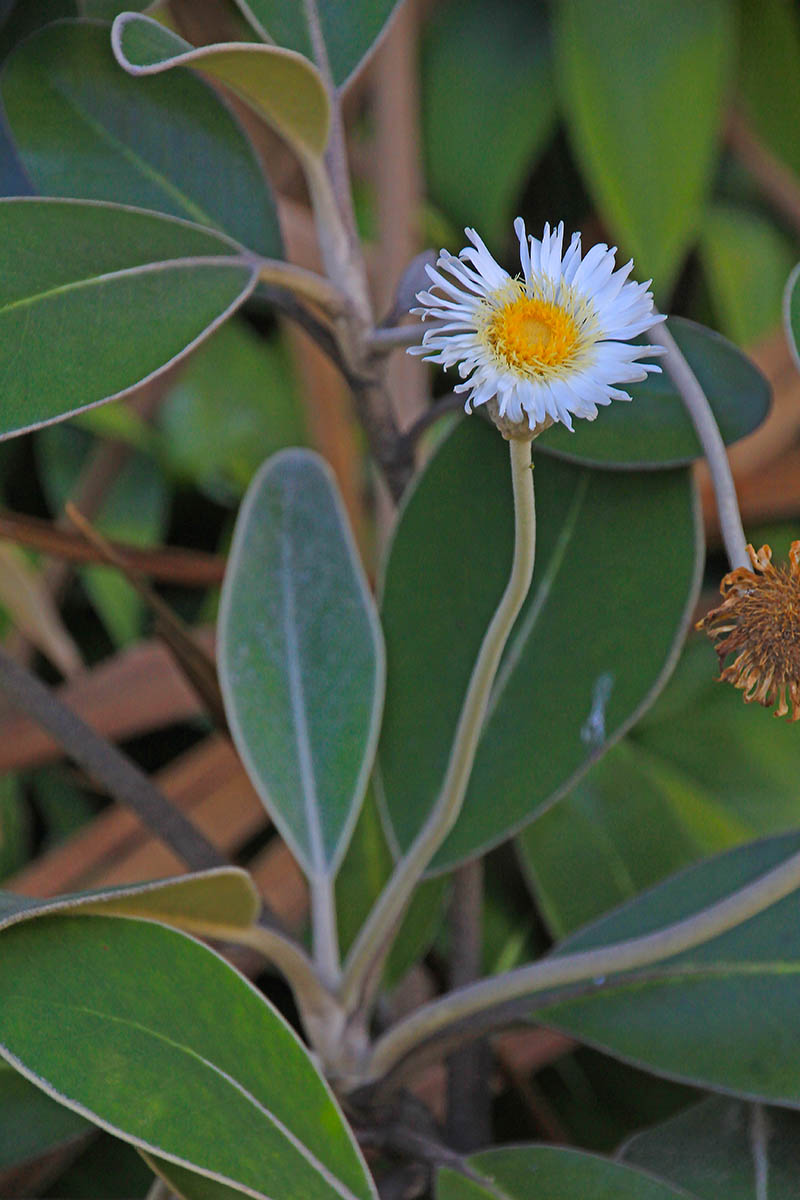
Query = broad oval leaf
x=769 y=33
x=96 y=298
x=725 y=1015
x=722 y=1147
x=521 y=1172
x=84 y=128
x=643 y=88
x=157 y=1039
x=301 y=656
x=481 y=143
x=654 y=430
x=617 y=573
x=350 y=30
x=283 y=87
x=699 y=774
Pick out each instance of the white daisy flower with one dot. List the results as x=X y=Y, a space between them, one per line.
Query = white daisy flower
x=544 y=347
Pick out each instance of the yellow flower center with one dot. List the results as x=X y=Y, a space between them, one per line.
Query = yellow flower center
x=529 y=335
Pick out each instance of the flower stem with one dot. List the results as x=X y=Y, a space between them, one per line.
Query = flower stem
x=705 y=424
x=362 y=969
x=490 y=1002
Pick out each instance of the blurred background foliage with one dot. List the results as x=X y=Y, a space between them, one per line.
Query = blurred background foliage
x=668 y=129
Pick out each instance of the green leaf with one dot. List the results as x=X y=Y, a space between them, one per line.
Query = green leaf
x=520 y=1172
x=769 y=74
x=701 y=772
x=83 y=128
x=157 y=1039
x=746 y=260
x=791 y=313
x=725 y=1015
x=654 y=430
x=109 y=1168
x=477 y=180
x=207 y=902
x=643 y=88
x=284 y=88
x=593 y=646
x=350 y=30
x=722 y=1148
x=31 y=1124
x=234 y=404
x=301 y=657
x=95 y=298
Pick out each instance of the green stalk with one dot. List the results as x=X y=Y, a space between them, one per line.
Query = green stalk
x=363 y=967
x=481 y=1006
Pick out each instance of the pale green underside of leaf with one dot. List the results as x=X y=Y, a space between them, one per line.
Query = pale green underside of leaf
x=85 y=129
x=204 y=901
x=283 y=87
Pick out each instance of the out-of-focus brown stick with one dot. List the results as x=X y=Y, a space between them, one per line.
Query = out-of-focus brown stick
x=188 y=568
x=103 y=468
x=398 y=180
x=190 y=655
x=778 y=184
x=133 y=692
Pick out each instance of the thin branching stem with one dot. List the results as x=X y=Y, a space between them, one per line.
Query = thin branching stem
x=363 y=966
x=705 y=424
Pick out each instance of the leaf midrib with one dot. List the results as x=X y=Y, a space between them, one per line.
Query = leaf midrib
x=297 y=700
x=220 y=260
x=194 y=211
x=285 y=1132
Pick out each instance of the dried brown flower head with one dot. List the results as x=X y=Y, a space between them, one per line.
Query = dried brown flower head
x=760 y=613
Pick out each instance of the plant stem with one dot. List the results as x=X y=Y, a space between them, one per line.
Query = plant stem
x=481 y=1004
x=315 y=1002
x=363 y=966
x=705 y=424
x=325 y=934
x=299 y=281
x=336 y=154
x=469 y=1124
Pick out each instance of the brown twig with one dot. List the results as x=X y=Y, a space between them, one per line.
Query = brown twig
x=104 y=763
x=190 y=656
x=468 y=1097
x=189 y=568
